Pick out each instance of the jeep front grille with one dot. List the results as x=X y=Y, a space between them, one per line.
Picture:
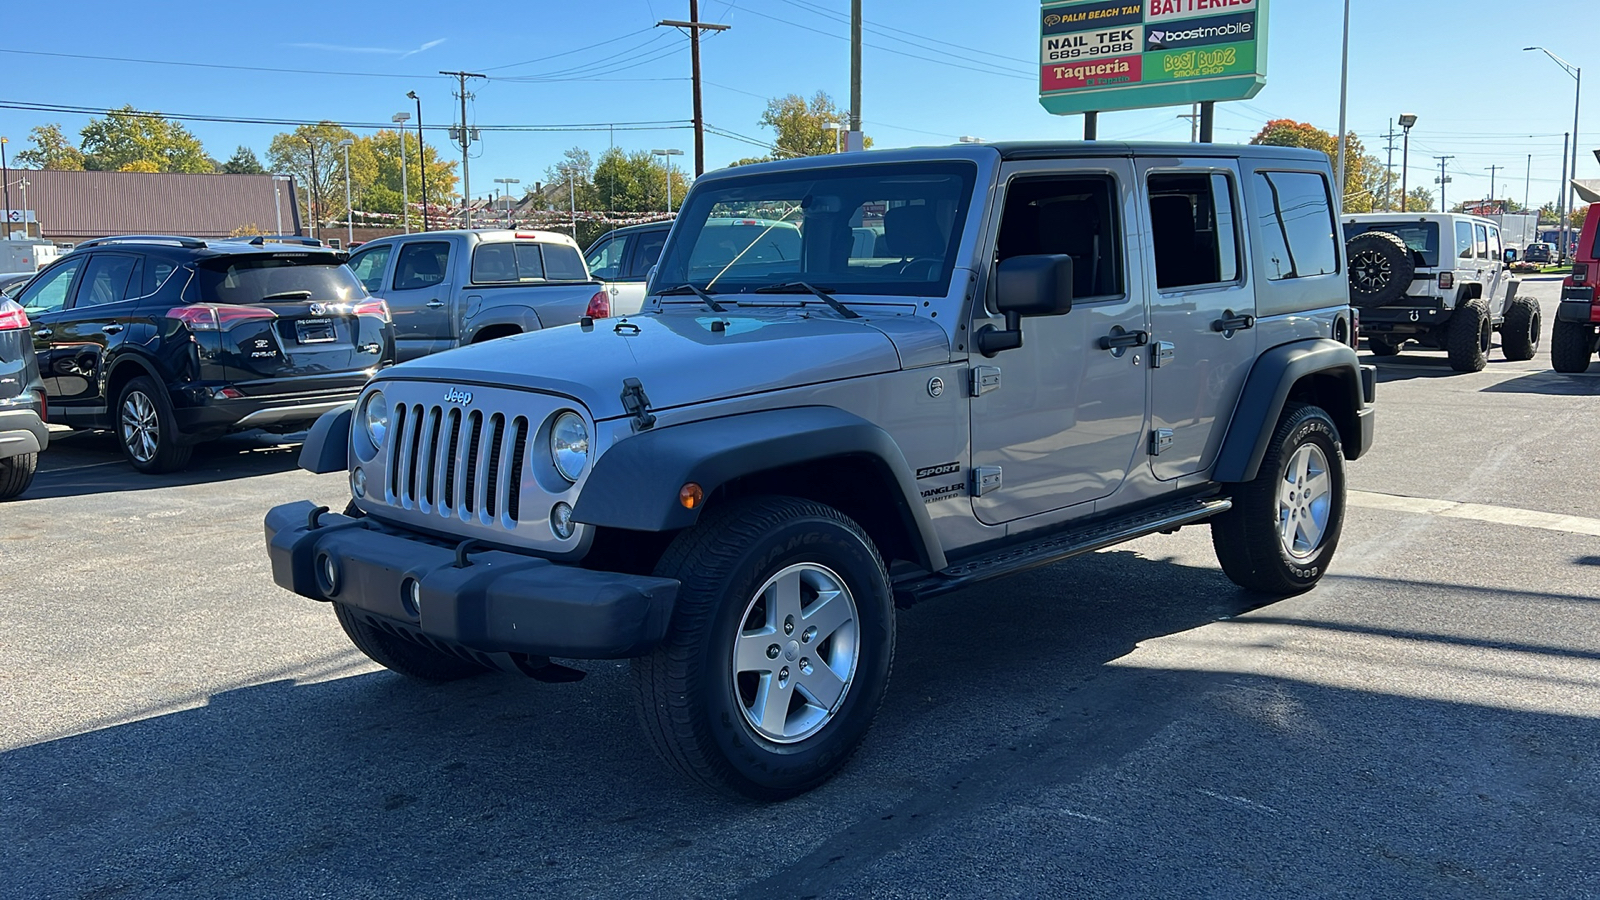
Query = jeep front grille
x=454 y=462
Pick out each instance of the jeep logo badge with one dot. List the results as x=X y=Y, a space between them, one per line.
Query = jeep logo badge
x=455 y=395
x=935 y=386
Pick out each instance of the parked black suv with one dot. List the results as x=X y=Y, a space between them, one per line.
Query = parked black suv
x=22 y=409
x=169 y=341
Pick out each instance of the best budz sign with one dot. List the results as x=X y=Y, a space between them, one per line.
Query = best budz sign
x=1131 y=54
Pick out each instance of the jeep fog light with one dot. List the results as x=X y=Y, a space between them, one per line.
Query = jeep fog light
x=358 y=483
x=561 y=520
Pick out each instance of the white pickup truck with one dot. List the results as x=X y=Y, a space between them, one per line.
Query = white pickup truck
x=449 y=288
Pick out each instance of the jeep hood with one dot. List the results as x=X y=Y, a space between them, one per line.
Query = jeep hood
x=683 y=358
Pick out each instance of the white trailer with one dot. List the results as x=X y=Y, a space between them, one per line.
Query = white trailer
x=26 y=255
x=1517 y=229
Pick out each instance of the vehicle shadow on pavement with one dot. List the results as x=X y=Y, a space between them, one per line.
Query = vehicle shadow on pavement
x=372 y=786
x=83 y=462
x=1406 y=367
x=1552 y=383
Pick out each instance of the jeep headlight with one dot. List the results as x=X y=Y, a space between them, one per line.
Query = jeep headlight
x=569 y=445
x=375 y=417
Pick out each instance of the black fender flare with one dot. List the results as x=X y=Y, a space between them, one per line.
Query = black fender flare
x=1266 y=390
x=327 y=446
x=634 y=485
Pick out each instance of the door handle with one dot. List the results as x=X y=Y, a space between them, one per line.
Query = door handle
x=112 y=328
x=435 y=304
x=43 y=332
x=1232 y=323
x=1120 y=339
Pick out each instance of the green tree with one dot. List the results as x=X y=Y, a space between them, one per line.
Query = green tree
x=51 y=150
x=1418 y=199
x=243 y=162
x=1578 y=216
x=1547 y=213
x=128 y=140
x=293 y=153
x=380 y=190
x=803 y=127
x=1363 y=173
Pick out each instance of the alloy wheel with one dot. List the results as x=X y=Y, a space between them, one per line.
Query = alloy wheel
x=141 y=426
x=1305 y=502
x=796 y=652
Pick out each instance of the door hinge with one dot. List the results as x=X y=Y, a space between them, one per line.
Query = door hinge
x=1160 y=439
x=985 y=379
x=1163 y=353
x=985 y=479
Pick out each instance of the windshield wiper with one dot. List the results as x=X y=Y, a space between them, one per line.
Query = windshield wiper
x=289 y=295
x=697 y=291
x=795 y=287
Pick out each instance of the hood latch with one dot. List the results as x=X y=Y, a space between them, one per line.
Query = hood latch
x=636 y=404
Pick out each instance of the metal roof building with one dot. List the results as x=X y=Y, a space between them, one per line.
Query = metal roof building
x=76 y=206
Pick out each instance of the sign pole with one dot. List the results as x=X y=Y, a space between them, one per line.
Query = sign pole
x=1091 y=125
x=1208 y=116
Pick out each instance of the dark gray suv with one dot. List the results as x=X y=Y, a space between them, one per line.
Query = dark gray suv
x=22 y=404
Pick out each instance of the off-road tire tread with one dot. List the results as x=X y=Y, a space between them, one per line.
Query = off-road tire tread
x=1463 y=344
x=400 y=656
x=16 y=473
x=1383 y=346
x=1571 y=347
x=701 y=558
x=171 y=454
x=1519 y=336
x=1246 y=544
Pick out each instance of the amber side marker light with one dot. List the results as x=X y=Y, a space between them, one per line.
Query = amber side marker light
x=691 y=495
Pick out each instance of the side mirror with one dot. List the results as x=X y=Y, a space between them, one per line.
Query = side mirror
x=1511 y=254
x=1027 y=286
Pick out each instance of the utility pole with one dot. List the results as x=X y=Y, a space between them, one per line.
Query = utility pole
x=1388 y=169
x=855 y=141
x=1492 y=170
x=1527 y=182
x=694 y=26
x=1443 y=180
x=466 y=141
x=1193 y=115
x=1561 y=203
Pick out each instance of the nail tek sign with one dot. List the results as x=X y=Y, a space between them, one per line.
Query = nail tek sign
x=1132 y=54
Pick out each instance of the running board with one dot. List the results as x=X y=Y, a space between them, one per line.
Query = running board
x=1057 y=546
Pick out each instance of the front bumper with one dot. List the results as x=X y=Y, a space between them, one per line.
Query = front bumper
x=22 y=431
x=500 y=602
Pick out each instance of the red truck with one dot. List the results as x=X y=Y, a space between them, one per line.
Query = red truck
x=1572 y=345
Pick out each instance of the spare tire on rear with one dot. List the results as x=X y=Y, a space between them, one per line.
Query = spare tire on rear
x=1381 y=268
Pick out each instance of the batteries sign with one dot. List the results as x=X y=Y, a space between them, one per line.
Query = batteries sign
x=1133 y=54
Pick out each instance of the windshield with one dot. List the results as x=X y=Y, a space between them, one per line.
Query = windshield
x=1421 y=237
x=249 y=279
x=866 y=229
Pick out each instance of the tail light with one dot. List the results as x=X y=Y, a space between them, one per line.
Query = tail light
x=1447 y=280
x=1580 y=273
x=13 y=317
x=217 y=317
x=373 y=307
x=599 y=306
x=44 y=407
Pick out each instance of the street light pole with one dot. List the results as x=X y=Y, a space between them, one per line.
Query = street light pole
x=1406 y=121
x=277 y=200
x=1577 y=96
x=401 y=119
x=25 y=232
x=508 y=182
x=316 y=198
x=422 y=158
x=349 y=205
x=5 y=179
x=1344 y=84
x=666 y=159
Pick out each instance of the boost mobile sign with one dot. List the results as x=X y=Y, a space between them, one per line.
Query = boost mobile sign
x=1133 y=54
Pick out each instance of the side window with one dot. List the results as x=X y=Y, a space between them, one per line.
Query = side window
x=1481 y=232
x=605 y=258
x=1294 y=220
x=1192 y=223
x=494 y=264
x=1072 y=215
x=105 y=279
x=421 y=265
x=48 y=292
x=369 y=266
x=1464 y=240
x=647 y=249
x=562 y=263
x=1495 y=250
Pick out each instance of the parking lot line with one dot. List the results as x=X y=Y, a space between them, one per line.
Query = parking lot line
x=1501 y=515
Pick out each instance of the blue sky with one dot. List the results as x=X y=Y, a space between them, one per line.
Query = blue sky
x=934 y=70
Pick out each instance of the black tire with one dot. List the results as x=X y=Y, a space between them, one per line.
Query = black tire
x=402 y=656
x=1382 y=346
x=694 y=701
x=1571 y=346
x=1470 y=332
x=1519 y=335
x=16 y=473
x=1248 y=538
x=146 y=429
x=1381 y=268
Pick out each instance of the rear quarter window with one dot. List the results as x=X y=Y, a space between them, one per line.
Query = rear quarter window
x=563 y=263
x=1294 y=224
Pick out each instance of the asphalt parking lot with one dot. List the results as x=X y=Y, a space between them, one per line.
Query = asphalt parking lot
x=1424 y=723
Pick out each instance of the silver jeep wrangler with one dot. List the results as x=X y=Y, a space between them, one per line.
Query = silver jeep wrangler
x=921 y=369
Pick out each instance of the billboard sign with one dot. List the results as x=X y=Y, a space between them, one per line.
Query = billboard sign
x=1133 y=54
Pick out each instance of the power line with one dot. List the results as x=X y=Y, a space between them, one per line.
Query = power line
x=658 y=125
